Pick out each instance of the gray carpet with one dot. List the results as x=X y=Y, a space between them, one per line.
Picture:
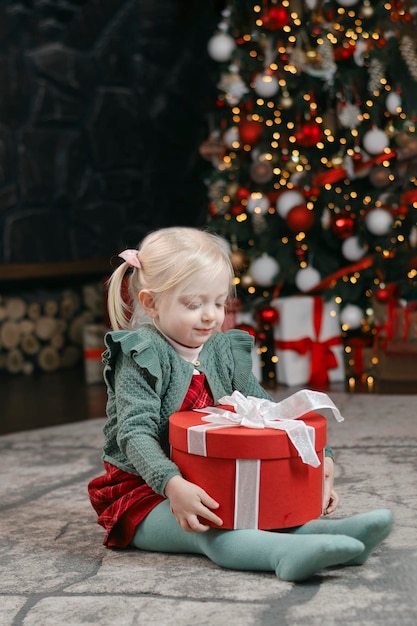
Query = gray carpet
x=54 y=570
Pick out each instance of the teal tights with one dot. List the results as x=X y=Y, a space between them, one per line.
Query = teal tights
x=294 y=556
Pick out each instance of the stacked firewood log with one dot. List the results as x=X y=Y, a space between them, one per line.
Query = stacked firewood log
x=42 y=330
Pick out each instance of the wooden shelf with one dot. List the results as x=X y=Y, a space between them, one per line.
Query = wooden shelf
x=32 y=271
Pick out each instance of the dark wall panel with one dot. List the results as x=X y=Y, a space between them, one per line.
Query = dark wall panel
x=101 y=115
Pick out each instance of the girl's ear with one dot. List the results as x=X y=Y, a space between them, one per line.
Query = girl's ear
x=148 y=302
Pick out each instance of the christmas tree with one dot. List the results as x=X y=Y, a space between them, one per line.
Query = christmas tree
x=315 y=187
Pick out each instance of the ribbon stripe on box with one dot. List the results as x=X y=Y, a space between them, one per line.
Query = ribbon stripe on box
x=257 y=460
x=247 y=489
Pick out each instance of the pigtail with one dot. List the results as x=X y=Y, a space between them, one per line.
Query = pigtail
x=119 y=311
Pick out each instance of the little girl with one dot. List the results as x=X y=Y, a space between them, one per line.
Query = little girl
x=180 y=279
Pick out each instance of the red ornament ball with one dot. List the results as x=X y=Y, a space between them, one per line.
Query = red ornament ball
x=276 y=18
x=247 y=328
x=267 y=315
x=242 y=194
x=261 y=337
x=402 y=210
x=311 y=192
x=385 y=293
x=213 y=209
x=343 y=53
x=309 y=135
x=300 y=254
x=250 y=132
x=342 y=226
x=382 y=295
x=237 y=209
x=300 y=219
x=273 y=196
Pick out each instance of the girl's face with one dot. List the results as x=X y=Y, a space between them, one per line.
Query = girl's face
x=192 y=315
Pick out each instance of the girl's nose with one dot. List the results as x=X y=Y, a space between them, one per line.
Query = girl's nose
x=208 y=313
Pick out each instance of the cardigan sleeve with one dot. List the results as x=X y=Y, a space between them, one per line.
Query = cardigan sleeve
x=136 y=382
x=141 y=350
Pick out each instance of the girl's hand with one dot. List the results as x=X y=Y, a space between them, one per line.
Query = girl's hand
x=189 y=502
x=330 y=497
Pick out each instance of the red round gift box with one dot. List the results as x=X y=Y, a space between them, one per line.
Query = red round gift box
x=289 y=491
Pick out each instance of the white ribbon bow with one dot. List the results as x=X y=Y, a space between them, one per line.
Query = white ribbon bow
x=261 y=413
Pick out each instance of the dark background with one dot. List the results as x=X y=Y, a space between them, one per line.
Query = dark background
x=102 y=112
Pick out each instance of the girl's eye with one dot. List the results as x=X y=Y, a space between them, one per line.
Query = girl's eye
x=220 y=305
x=193 y=306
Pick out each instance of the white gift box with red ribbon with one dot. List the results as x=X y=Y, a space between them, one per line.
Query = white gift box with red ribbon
x=257 y=458
x=93 y=348
x=308 y=341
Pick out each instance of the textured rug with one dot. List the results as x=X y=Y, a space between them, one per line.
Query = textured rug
x=54 y=570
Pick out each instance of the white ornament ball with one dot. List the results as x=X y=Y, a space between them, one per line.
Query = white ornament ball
x=230 y=136
x=367 y=10
x=220 y=47
x=379 y=221
x=359 y=53
x=351 y=316
x=352 y=250
x=257 y=203
x=307 y=279
x=347 y=3
x=375 y=141
x=265 y=85
x=264 y=270
x=393 y=103
x=287 y=201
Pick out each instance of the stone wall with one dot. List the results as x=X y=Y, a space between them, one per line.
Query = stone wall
x=102 y=111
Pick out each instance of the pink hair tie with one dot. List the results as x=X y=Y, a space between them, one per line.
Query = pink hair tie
x=131 y=257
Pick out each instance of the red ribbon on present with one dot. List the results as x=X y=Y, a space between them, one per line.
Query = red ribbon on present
x=322 y=357
x=398 y=322
x=396 y=327
x=406 y=329
x=392 y=325
x=358 y=344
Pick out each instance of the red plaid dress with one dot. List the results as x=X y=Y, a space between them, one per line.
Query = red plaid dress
x=122 y=500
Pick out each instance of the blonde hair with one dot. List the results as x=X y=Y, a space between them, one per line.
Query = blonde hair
x=168 y=258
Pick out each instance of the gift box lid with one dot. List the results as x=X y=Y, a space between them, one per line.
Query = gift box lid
x=241 y=442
